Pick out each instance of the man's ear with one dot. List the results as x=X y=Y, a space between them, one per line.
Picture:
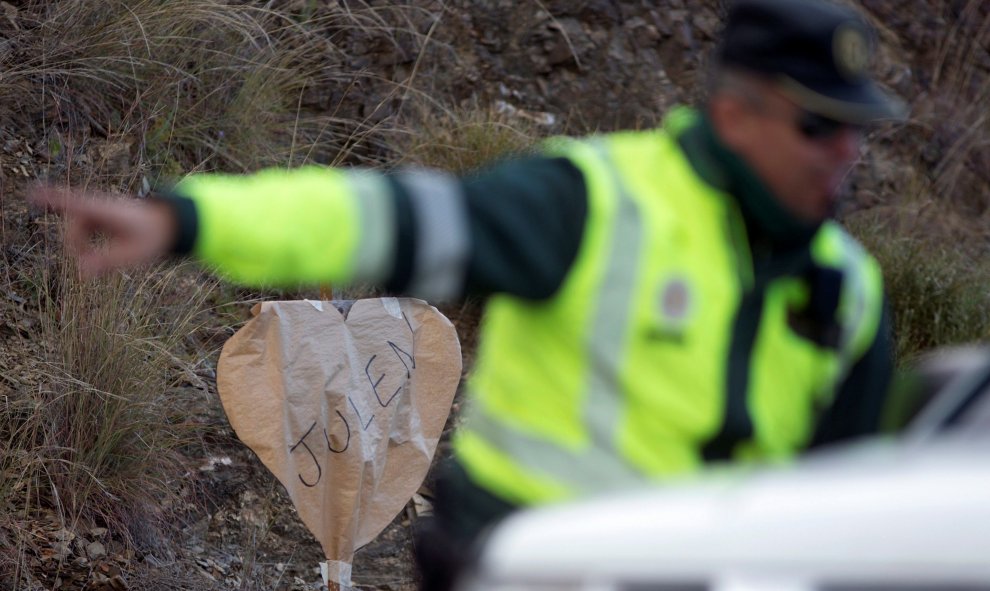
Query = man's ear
x=730 y=119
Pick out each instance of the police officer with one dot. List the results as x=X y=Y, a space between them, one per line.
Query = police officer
x=656 y=300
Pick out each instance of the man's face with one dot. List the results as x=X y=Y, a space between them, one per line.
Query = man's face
x=801 y=161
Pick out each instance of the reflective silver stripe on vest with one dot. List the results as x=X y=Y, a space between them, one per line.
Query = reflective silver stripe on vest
x=852 y=260
x=440 y=260
x=376 y=246
x=600 y=467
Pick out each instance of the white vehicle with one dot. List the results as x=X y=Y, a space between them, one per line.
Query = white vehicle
x=909 y=513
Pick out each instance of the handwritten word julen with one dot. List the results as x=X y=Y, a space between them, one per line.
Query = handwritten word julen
x=387 y=375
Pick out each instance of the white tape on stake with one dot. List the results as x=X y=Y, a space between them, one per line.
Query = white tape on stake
x=392 y=306
x=337 y=572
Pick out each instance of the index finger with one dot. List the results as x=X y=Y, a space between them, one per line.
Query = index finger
x=55 y=199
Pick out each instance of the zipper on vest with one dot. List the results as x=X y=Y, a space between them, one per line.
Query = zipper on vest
x=737 y=424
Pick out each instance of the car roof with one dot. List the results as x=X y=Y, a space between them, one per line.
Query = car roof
x=861 y=512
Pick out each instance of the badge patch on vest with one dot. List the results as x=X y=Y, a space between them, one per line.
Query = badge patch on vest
x=676 y=306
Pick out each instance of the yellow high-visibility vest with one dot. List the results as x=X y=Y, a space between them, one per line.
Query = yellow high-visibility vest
x=623 y=376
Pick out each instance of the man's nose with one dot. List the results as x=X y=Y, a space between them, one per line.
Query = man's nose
x=845 y=144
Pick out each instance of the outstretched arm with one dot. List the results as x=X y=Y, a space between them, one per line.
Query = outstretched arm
x=514 y=228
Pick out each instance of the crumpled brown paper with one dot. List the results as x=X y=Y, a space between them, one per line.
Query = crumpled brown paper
x=345 y=413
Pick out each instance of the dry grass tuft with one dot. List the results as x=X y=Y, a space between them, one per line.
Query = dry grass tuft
x=462 y=140
x=152 y=89
x=97 y=440
x=937 y=290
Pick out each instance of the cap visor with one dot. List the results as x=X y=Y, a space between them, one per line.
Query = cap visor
x=865 y=103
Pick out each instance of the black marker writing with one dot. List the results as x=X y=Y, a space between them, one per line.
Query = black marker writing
x=347 y=443
x=331 y=436
x=374 y=384
x=402 y=355
x=319 y=470
x=364 y=427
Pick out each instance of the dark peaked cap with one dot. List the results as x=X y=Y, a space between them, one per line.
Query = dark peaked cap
x=817 y=51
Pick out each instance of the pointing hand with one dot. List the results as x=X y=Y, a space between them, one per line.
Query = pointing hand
x=134 y=232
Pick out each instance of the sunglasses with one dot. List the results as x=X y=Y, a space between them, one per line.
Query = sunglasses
x=819 y=127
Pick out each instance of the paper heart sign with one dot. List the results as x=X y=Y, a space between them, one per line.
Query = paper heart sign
x=345 y=406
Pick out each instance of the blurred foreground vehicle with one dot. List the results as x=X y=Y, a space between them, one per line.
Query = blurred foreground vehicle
x=911 y=513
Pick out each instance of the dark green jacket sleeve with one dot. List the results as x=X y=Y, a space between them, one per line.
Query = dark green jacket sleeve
x=522 y=219
x=526 y=222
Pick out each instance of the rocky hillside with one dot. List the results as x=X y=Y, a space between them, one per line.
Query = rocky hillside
x=376 y=83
